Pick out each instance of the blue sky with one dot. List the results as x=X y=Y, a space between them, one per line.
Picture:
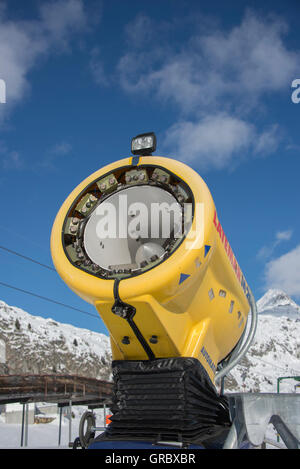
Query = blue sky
x=212 y=80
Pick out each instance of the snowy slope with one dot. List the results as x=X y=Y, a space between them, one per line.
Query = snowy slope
x=38 y=345
x=275 y=351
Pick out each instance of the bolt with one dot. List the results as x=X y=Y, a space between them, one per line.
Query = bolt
x=153 y=339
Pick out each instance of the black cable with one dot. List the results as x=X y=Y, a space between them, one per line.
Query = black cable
x=47 y=299
x=27 y=258
x=128 y=316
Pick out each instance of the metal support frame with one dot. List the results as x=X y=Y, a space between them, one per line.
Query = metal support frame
x=70 y=421
x=24 y=426
x=252 y=412
x=59 y=428
x=281 y=378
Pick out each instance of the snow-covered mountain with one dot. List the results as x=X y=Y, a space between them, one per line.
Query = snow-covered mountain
x=275 y=351
x=37 y=345
x=279 y=303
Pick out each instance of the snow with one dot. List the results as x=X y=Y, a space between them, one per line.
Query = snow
x=279 y=300
x=36 y=345
x=16 y=407
x=275 y=351
x=45 y=436
x=41 y=327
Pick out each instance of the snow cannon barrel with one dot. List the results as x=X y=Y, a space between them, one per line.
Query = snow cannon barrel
x=142 y=241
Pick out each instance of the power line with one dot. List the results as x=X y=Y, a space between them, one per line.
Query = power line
x=34 y=294
x=47 y=299
x=262 y=373
x=27 y=258
x=276 y=366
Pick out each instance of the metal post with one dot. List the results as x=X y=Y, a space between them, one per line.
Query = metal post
x=70 y=421
x=22 y=430
x=232 y=438
x=59 y=428
x=104 y=415
x=26 y=425
x=281 y=378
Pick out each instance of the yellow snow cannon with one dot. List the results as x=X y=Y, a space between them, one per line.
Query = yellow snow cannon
x=141 y=239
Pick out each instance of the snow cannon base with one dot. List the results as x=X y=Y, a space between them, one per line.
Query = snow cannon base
x=169 y=399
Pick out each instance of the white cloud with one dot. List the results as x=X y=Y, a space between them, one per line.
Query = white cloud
x=61 y=149
x=12 y=160
x=216 y=79
x=252 y=56
x=62 y=18
x=283 y=235
x=24 y=43
x=141 y=31
x=181 y=79
x=284 y=272
x=268 y=141
x=97 y=67
x=266 y=251
x=54 y=154
x=212 y=142
x=216 y=141
x=218 y=69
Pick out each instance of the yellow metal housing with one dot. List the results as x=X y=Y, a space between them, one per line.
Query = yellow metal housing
x=195 y=302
